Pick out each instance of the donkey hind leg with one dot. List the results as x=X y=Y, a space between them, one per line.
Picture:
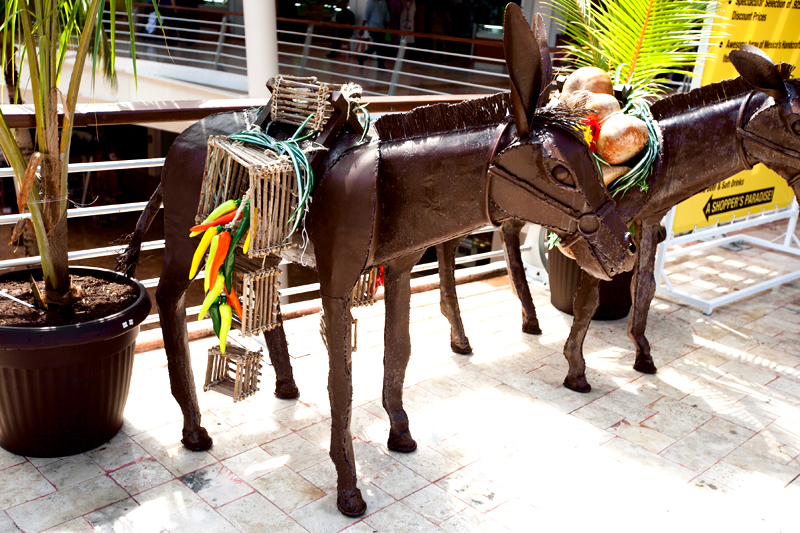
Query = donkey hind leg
x=340 y=390
x=278 y=348
x=643 y=288
x=584 y=306
x=448 y=303
x=172 y=312
x=511 y=230
x=397 y=350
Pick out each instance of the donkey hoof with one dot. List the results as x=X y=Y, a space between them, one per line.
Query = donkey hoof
x=401 y=442
x=645 y=365
x=197 y=441
x=461 y=346
x=531 y=327
x=350 y=503
x=286 y=390
x=578 y=384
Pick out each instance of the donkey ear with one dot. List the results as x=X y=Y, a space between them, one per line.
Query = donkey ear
x=547 y=69
x=757 y=69
x=524 y=66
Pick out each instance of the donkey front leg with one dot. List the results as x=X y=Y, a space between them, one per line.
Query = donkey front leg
x=584 y=306
x=448 y=303
x=172 y=312
x=278 y=348
x=643 y=288
x=516 y=271
x=340 y=391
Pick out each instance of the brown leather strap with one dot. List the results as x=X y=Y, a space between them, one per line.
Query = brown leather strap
x=499 y=132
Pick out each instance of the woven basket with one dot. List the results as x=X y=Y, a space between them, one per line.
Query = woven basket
x=231 y=169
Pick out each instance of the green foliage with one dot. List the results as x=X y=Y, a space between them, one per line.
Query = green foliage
x=48 y=32
x=552 y=241
x=637 y=41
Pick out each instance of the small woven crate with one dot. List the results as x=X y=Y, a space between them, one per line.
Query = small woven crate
x=294 y=99
x=234 y=373
x=364 y=292
x=233 y=168
x=258 y=288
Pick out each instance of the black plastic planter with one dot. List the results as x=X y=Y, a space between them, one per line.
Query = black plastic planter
x=63 y=389
x=564 y=274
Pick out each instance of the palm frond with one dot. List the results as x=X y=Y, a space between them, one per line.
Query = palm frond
x=637 y=41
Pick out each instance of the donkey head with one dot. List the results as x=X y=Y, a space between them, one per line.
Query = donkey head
x=566 y=191
x=772 y=134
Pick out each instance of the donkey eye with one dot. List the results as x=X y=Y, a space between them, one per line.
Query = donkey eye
x=796 y=127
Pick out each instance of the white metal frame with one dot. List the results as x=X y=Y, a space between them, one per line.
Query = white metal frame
x=718 y=235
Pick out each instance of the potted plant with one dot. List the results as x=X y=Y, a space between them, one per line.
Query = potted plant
x=63 y=379
x=635 y=43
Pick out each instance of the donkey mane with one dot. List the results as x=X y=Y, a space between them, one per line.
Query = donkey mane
x=712 y=93
x=444 y=118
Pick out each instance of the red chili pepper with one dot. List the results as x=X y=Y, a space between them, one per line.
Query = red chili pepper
x=233 y=301
x=218 y=222
x=219 y=256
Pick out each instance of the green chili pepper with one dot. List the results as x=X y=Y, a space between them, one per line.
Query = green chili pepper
x=237 y=236
x=215 y=318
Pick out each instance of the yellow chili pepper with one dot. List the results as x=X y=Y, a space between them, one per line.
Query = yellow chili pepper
x=201 y=250
x=212 y=250
x=246 y=245
x=225 y=207
x=225 y=316
x=211 y=297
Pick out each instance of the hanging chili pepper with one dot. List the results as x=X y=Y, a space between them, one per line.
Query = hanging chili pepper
x=237 y=236
x=213 y=311
x=211 y=297
x=225 y=315
x=220 y=255
x=246 y=246
x=233 y=301
x=217 y=222
x=222 y=209
x=212 y=252
x=201 y=250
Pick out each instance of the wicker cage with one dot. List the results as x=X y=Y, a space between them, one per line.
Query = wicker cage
x=234 y=373
x=258 y=289
x=294 y=99
x=231 y=169
x=364 y=292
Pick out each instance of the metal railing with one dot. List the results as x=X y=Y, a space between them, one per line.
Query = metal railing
x=144 y=112
x=214 y=40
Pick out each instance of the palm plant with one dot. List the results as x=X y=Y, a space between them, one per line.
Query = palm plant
x=47 y=33
x=637 y=41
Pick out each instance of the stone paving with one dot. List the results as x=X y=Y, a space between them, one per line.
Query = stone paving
x=710 y=442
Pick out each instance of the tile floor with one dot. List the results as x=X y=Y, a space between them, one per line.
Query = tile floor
x=709 y=443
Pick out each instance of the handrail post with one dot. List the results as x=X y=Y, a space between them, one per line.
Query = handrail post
x=306 y=47
x=398 y=65
x=223 y=29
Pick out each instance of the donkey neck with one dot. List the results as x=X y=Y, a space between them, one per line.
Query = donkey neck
x=700 y=148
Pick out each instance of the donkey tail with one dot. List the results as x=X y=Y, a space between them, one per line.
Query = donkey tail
x=127 y=260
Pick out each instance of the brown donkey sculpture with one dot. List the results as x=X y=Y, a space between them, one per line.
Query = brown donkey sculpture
x=707 y=135
x=433 y=175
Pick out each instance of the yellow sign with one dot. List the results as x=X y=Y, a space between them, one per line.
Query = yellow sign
x=774 y=27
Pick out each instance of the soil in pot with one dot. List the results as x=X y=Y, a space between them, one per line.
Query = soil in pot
x=98 y=298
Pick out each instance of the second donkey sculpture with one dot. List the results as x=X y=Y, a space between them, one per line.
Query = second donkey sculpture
x=436 y=174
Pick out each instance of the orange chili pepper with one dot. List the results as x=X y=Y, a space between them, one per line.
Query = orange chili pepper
x=233 y=301
x=218 y=222
x=219 y=257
